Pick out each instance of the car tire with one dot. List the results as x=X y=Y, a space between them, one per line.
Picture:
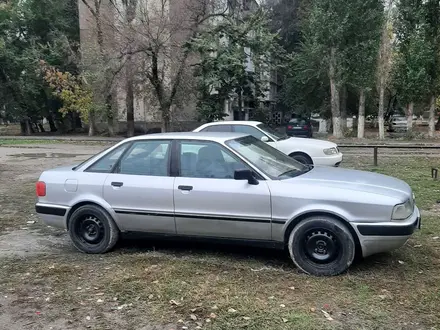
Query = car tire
x=92 y=230
x=321 y=246
x=302 y=158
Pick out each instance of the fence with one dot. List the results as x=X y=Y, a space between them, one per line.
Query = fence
x=377 y=147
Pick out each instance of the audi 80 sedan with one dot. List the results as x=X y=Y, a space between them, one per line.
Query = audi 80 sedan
x=228 y=187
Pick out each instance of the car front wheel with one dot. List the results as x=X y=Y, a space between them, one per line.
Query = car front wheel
x=321 y=246
x=92 y=230
x=302 y=158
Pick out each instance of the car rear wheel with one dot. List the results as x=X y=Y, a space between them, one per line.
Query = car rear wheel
x=321 y=246
x=302 y=158
x=92 y=230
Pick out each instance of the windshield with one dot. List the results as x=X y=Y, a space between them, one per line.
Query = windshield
x=272 y=133
x=267 y=159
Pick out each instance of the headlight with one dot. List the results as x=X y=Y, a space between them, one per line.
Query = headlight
x=331 y=151
x=403 y=211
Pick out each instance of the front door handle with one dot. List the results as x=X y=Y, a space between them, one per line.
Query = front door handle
x=185 y=188
x=117 y=184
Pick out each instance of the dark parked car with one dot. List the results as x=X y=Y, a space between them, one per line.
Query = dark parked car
x=299 y=127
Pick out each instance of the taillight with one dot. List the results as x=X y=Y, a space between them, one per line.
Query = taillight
x=306 y=127
x=289 y=127
x=40 y=188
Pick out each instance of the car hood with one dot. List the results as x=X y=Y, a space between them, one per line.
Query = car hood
x=309 y=142
x=356 y=180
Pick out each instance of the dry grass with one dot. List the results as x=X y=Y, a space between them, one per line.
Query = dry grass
x=185 y=285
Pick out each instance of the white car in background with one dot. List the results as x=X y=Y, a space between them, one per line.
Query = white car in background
x=306 y=151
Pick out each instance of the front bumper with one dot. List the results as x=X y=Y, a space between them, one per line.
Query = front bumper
x=333 y=160
x=386 y=236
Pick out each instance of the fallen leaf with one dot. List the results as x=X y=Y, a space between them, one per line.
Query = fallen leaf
x=88 y=318
x=312 y=309
x=382 y=296
x=418 y=245
x=231 y=310
x=193 y=317
x=327 y=315
x=155 y=282
x=30 y=222
x=435 y=237
x=271 y=297
x=173 y=302
x=193 y=309
x=246 y=318
x=214 y=307
x=99 y=294
x=199 y=324
x=292 y=288
x=401 y=262
x=212 y=316
x=208 y=320
x=151 y=296
x=282 y=305
x=99 y=301
x=285 y=320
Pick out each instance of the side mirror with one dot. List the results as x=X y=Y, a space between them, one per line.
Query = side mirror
x=264 y=138
x=245 y=174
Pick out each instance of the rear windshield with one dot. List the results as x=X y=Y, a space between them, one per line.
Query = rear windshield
x=299 y=121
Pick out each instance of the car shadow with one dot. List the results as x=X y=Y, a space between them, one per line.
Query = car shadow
x=200 y=248
x=134 y=243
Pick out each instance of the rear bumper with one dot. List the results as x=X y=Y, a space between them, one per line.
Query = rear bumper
x=52 y=215
x=333 y=160
x=382 y=237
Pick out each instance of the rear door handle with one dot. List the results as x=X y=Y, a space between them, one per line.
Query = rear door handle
x=185 y=188
x=117 y=184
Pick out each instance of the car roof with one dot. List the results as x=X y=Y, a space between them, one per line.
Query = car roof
x=234 y=122
x=205 y=136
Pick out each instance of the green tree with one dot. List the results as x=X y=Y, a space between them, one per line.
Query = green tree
x=413 y=57
x=29 y=31
x=225 y=48
x=363 y=41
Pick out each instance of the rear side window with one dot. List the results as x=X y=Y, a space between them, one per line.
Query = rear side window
x=218 y=128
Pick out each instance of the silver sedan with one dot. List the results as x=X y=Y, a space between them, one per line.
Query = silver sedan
x=228 y=187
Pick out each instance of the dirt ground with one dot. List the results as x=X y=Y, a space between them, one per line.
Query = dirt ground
x=46 y=284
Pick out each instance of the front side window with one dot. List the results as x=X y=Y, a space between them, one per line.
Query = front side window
x=148 y=158
x=269 y=160
x=107 y=162
x=207 y=160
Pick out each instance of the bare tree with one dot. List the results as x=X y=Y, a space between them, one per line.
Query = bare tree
x=153 y=38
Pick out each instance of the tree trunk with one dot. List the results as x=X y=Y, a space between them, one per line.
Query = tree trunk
x=431 y=132
x=109 y=112
x=380 y=114
x=27 y=127
x=344 y=108
x=129 y=101
x=409 y=116
x=335 y=103
x=166 y=122
x=361 y=116
x=92 y=124
x=52 y=126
